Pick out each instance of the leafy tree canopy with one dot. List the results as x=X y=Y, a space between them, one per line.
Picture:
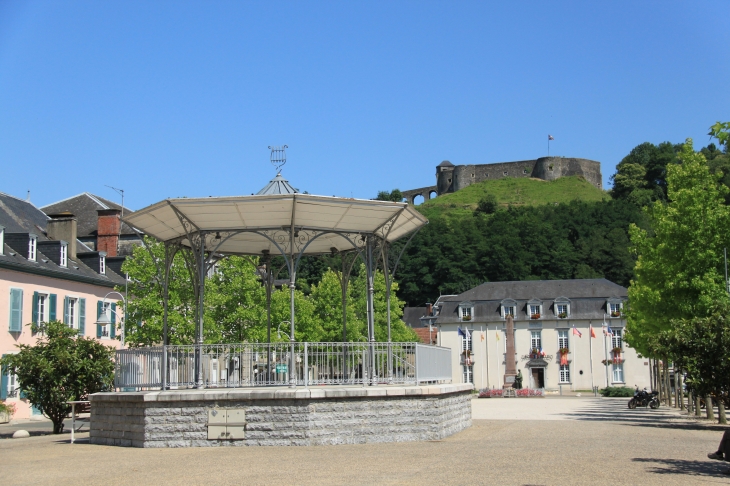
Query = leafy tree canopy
x=61 y=367
x=394 y=196
x=679 y=272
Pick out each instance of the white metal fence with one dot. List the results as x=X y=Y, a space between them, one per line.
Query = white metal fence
x=253 y=364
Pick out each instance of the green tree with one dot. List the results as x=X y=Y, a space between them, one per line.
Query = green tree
x=641 y=176
x=59 y=368
x=488 y=204
x=678 y=274
x=326 y=297
x=394 y=196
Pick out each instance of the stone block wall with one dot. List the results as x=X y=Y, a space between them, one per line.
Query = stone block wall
x=283 y=417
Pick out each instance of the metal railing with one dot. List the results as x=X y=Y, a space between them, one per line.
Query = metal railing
x=260 y=364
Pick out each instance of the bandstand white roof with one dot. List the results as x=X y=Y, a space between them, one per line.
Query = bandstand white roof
x=243 y=220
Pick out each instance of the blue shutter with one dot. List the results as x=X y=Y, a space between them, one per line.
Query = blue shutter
x=35 y=308
x=16 y=310
x=52 y=307
x=3 y=382
x=82 y=316
x=113 y=327
x=65 y=310
x=99 y=310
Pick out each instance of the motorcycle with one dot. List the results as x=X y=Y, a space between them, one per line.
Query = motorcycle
x=643 y=398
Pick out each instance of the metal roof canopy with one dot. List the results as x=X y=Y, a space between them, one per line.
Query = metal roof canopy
x=291 y=225
x=252 y=225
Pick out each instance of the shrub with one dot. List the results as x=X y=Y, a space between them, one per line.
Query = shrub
x=487 y=393
x=8 y=408
x=617 y=391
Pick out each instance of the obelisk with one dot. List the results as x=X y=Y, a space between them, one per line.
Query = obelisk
x=510 y=370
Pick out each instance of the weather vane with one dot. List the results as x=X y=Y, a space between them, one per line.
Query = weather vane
x=278 y=156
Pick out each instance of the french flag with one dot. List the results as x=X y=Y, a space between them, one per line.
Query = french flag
x=576 y=332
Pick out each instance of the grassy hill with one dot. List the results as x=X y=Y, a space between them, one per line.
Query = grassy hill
x=515 y=192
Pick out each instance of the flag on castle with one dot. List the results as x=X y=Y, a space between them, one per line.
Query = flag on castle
x=576 y=332
x=550 y=137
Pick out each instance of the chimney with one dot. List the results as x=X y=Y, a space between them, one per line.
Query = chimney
x=429 y=309
x=62 y=226
x=108 y=228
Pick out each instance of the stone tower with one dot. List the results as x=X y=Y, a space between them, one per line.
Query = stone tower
x=445 y=177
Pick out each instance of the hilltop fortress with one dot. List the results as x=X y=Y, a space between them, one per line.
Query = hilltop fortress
x=451 y=178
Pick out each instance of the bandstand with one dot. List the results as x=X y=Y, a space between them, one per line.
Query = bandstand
x=291 y=393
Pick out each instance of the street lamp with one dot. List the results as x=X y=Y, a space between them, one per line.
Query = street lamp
x=105 y=318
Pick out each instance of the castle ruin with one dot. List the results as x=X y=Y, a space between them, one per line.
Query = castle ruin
x=451 y=178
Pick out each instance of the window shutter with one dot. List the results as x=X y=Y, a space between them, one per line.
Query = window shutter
x=112 y=328
x=16 y=310
x=82 y=316
x=65 y=310
x=35 y=308
x=4 y=382
x=52 y=307
x=99 y=310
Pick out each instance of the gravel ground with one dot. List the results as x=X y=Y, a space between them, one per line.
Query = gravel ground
x=559 y=441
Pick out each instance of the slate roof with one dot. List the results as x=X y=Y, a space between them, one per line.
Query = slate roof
x=19 y=216
x=84 y=207
x=76 y=271
x=412 y=316
x=277 y=185
x=587 y=297
x=446 y=163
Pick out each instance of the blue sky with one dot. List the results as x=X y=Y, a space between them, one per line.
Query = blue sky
x=167 y=99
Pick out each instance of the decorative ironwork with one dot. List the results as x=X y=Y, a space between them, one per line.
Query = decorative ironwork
x=278 y=156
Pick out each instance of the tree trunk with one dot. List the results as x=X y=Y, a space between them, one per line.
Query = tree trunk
x=668 y=384
x=690 y=403
x=680 y=392
x=698 y=407
x=708 y=408
x=721 y=419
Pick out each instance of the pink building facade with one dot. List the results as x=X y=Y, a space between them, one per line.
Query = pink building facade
x=47 y=274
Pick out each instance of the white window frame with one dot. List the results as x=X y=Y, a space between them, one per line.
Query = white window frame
x=102 y=265
x=106 y=309
x=535 y=340
x=508 y=309
x=73 y=312
x=563 y=338
x=533 y=309
x=617 y=340
x=467 y=312
x=64 y=255
x=468 y=373
x=12 y=390
x=614 y=307
x=32 y=248
x=43 y=307
x=467 y=341
x=559 y=311
x=618 y=373
x=564 y=374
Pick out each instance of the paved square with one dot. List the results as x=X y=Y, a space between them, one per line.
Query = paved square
x=558 y=441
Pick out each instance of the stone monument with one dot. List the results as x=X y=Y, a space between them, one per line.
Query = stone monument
x=510 y=370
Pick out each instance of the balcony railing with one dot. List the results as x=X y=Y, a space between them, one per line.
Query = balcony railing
x=252 y=364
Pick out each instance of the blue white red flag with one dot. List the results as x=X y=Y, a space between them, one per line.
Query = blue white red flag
x=550 y=137
x=577 y=332
x=609 y=332
x=460 y=332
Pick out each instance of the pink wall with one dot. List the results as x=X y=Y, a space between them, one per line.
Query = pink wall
x=30 y=283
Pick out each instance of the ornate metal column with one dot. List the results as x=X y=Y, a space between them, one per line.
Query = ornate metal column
x=370 y=306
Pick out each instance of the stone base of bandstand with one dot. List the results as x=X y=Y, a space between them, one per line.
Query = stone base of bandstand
x=282 y=416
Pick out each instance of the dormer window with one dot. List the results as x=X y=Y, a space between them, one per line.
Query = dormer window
x=466 y=311
x=508 y=308
x=32 y=243
x=534 y=309
x=562 y=308
x=64 y=255
x=102 y=265
x=615 y=307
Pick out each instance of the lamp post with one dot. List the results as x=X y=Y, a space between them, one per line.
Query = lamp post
x=104 y=319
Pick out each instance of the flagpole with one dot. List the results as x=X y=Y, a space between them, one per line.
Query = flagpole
x=486 y=352
x=605 y=351
x=572 y=385
x=590 y=347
